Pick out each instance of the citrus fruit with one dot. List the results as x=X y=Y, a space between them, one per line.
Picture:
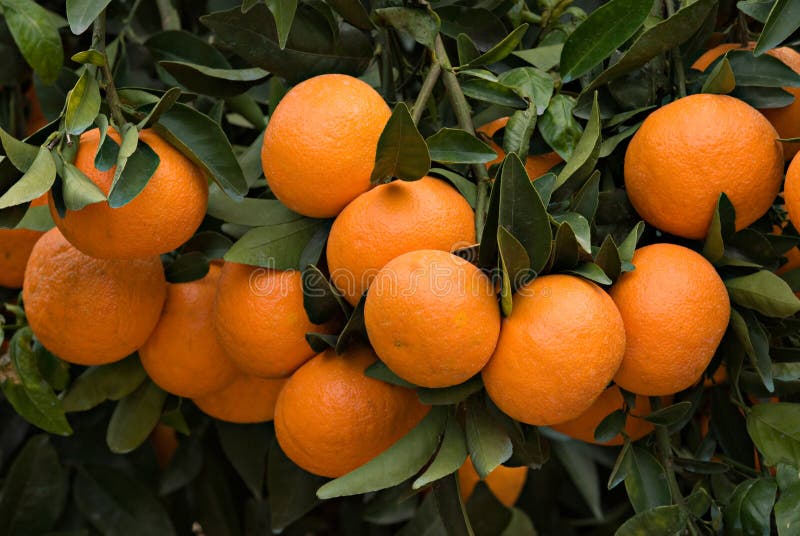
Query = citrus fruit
x=331 y=418
x=584 y=426
x=162 y=217
x=505 y=483
x=791 y=192
x=15 y=248
x=690 y=151
x=392 y=219
x=182 y=354
x=248 y=399
x=558 y=350
x=319 y=146
x=676 y=310
x=536 y=165
x=90 y=311
x=432 y=318
x=260 y=320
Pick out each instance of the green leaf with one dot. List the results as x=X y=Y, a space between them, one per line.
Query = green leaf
x=20 y=153
x=487 y=515
x=134 y=418
x=248 y=211
x=214 y=81
x=500 y=50
x=183 y=468
x=645 y=480
x=749 y=507
x=167 y=101
x=78 y=190
x=354 y=329
x=755 y=341
x=321 y=301
x=783 y=20
x=558 y=126
x=446 y=396
x=456 y=146
x=278 y=247
x=670 y=415
x=292 y=491
x=493 y=92
x=787 y=515
x=246 y=446
x=36 y=181
x=607 y=258
x=775 y=430
x=605 y=30
x=488 y=443
x=586 y=200
x=353 y=12
x=610 y=426
x=518 y=131
x=721 y=229
x=763 y=97
x=82 y=13
x=592 y=272
x=83 y=104
x=628 y=245
x=107 y=382
x=283 y=11
x=422 y=25
x=380 y=371
x=618 y=470
x=533 y=84
x=138 y=169
x=721 y=79
x=516 y=267
x=544 y=57
x=465 y=187
x=451 y=456
x=450 y=509
x=583 y=159
x=90 y=57
x=187 y=267
x=396 y=464
x=660 y=521
x=36 y=34
x=762 y=71
x=757 y=9
x=582 y=471
x=402 y=151
x=764 y=292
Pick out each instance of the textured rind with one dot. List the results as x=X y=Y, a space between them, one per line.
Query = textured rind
x=791 y=192
x=690 y=151
x=558 y=350
x=432 y=318
x=330 y=418
x=15 y=248
x=676 y=310
x=390 y=220
x=90 y=311
x=247 y=399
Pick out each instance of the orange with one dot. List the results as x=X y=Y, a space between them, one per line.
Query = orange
x=690 y=151
x=586 y=423
x=163 y=216
x=248 y=399
x=558 y=350
x=90 y=311
x=676 y=309
x=15 y=248
x=260 y=320
x=535 y=165
x=786 y=119
x=392 y=219
x=719 y=377
x=165 y=443
x=791 y=191
x=319 y=146
x=505 y=483
x=182 y=354
x=331 y=418
x=432 y=318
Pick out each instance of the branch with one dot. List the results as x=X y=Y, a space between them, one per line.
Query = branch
x=677 y=59
x=99 y=44
x=425 y=91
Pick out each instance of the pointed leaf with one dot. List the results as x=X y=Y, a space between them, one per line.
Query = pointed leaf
x=660 y=521
x=721 y=79
x=587 y=150
x=501 y=49
x=422 y=25
x=134 y=418
x=488 y=444
x=82 y=13
x=107 y=382
x=36 y=34
x=277 y=247
x=451 y=456
x=456 y=146
x=78 y=190
x=214 y=81
x=36 y=181
x=783 y=20
x=83 y=104
x=402 y=151
x=764 y=292
x=775 y=430
x=645 y=480
x=20 y=153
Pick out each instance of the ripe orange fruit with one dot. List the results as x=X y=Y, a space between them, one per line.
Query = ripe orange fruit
x=15 y=248
x=786 y=119
x=611 y=400
x=536 y=165
x=690 y=151
x=791 y=191
x=331 y=418
x=248 y=399
x=432 y=318
x=558 y=350
x=676 y=309
x=505 y=483
x=90 y=311
x=162 y=217
x=260 y=320
x=390 y=220
x=182 y=354
x=319 y=146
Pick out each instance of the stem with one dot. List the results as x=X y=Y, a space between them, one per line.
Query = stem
x=530 y=17
x=99 y=44
x=425 y=92
x=464 y=118
x=170 y=20
x=677 y=60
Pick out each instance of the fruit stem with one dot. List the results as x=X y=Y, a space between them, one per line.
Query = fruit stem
x=677 y=59
x=170 y=20
x=99 y=44
x=425 y=91
x=464 y=118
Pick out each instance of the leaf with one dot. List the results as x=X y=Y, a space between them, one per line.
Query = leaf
x=763 y=97
x=516 y=266
x=106 y=382
x=787 y=515
x=764 y=292
x=610 y=426
x=749 y=507
x=757 y=9
x=167 y=101
x=451 y=456
x=78 y=190
x=36 y=35
x=583 y=159
x=246 y=446
x=283 y=11
x=544 y=57
x=500 y=50
x=762 y=71
x=456 y=146
x=248 y=211
x=493 y=92
x=721 y=79
x=592 y=272
x=582 y=471
x=670 y=415
x=660 y=521
x=380 y=371
x=488 y=444
x=36 y=181
x=608 y=259
x=354 y=329
x=754 y=339
x=277 y=247
x=89 y=57
x=535 y=85
x=139 y=168
x=518 y=132
x=394 y=465
x=558 y=126
x=292 y=491
x=450 y=395
x=728 y=426
x=465 y=187
x=214 y=81
x=82 y=13
x=20 y=153
x=603 y=31
x=783 y=20
x=187 y=267
x=134 y=418
x=775 y=430
x=450 y=509
x=422 y=25
x=721 y=229
x=645 y=480
x=487 y=515
x=83 y=104
x=402 y=151
x=353 y=12
x=628 y=246
x=618 y=470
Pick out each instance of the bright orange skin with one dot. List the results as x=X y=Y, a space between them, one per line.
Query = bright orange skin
x=786 y=120
x=505 y=483
x=331 y=418
x=676 y=309
x=432 y=318
x=15 y=248
x=535 y=165
x=260 y=320
x=611 y=400
x=690 y=151
x=162 y=217
x=558 y=350
x=90 y=311
x=182 y=354
x=248 y=399
x=393 y=219
x=165 y=443
x=791 y=191
x=319 y=147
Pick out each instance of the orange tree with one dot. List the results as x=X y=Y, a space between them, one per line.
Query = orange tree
x=559 y=299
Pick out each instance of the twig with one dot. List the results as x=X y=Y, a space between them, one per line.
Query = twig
x=425 y=91
x=99 y=44
x=677 y=59
x=170 y=19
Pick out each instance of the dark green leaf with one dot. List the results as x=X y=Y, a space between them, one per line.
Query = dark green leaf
x=214 y=81
x=721 y=229
x=380 y=371
x=185 y=465
x=610 y=426
x=353 y=12
x=139 y=168
x=519 y=525
x=764 y=292
x=516 y=267
x=787 y=515
x=451 y=456
x=500 y=50
x=618 y=470
x=558 y=126
x=493 y=92
x=421 y=24
x=402 y=151
x=167 y=101
x=754 y=339
x=78 y=190
x=36 y=34
x=721 y=79
x=450 y=395
x=450 y=508
x=456 y=146
x=36 y=181
x=762 y=71
x=83 y=104
x=608 y=259
x=583 y=159
x=212 y=244
x=107 y=382
x=628 y=245
x=283 y=11
x=783 y=20
x=53 y=370
x=757 y=9
x=246 y=447
x=82 y=13
x=134 y=418
x=749 y=508
x=487 y=515
x=248 y=211
x=535 y=85
x=582 y=471
x=660 y=521
x=292 y=491
x=187 y=267
x=592 y=272
x=775 y=430
x=645 y=480
x=354 y=329
x=611 y=143
x=463 y=185
x=763 y=97
x=488 y=443
x=277 y=247
x=21 y=154
x=518 y=132
x=321 y=300
x=586 y=200
x=671 y=414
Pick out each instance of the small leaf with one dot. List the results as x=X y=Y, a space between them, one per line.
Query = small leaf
x=354 y=329
x=592 y=272
x=558 y=126
x=671 y=414
x=493 y=92
x=516 y=267
x=721 y=229
x=764 y=292
x=139 y=168
x=488 y=444
x=451 y=456
x=78 y=190
x=283 y=11
x=628 y=245
x=134 y=418
x=214 y=81
x=543 y=57
x=321 y=300
x=660 y=521
x=721 y=79
x=353 y=12
x=645 y=480
x=82 y=13
x=456 y=146
x=402 y=151
x=20 y=153
x=167 y=101
x=610 y=426
x=83 y=104
x=292 y=491
x=277 y=247
x=34 y=183
x=107 y=382
x=500 y=50
x=187 y=267
x=783 y=20
x=90 y=57
x=422 y=25
x=380 y=371
x=775 y=430
x=587 y=150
